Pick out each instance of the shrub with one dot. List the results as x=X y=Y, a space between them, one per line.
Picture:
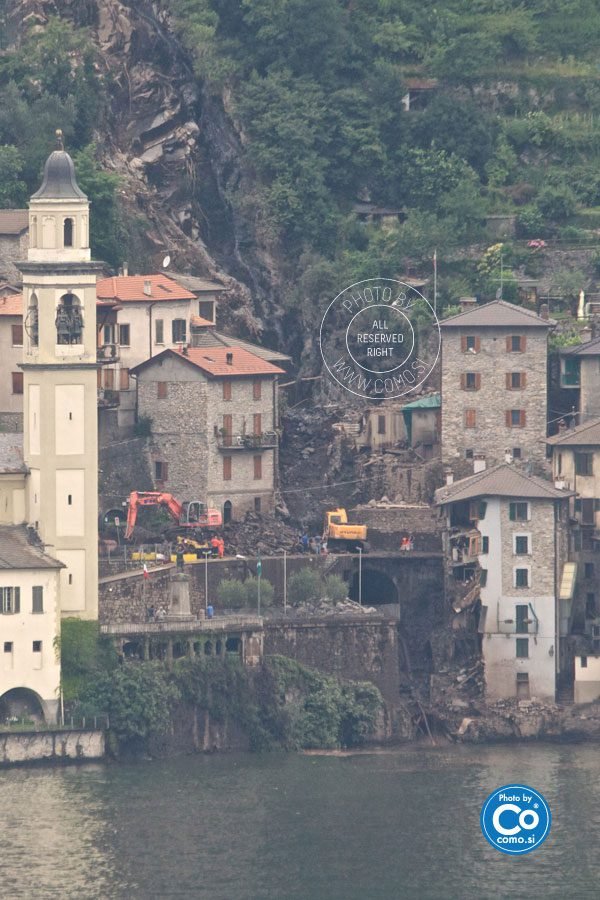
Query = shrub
x=143 y=426
x=231 y=593
x=530 y=222
x=304 y=585
x=557 y=202
x=335 y=588
x=251 y=592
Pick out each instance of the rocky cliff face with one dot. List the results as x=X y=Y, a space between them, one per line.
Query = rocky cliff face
x=177 y=150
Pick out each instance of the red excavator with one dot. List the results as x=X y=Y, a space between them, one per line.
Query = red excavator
x=189 y=515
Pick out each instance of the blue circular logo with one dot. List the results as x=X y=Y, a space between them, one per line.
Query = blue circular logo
x=515 y=819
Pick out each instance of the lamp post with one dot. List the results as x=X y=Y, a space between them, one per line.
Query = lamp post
x=205 y=580
x=360 y=576
x=258 y=575
x=285 y=582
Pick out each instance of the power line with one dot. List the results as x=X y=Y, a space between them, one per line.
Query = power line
x=321 y=487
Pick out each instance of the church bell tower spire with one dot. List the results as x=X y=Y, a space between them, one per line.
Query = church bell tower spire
x=60 y=381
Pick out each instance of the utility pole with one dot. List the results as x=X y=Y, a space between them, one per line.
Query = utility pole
x=360 y=576
x=285 y=582
x=258 y=575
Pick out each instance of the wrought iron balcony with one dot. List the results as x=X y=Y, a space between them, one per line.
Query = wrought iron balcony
x=229 y=442
x=108 y=353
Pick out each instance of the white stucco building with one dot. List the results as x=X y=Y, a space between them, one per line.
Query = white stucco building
x=509 y=529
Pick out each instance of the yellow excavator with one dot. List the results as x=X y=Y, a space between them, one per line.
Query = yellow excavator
x=341 y=535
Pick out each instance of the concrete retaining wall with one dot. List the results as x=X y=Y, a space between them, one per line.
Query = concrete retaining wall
x=18 y=748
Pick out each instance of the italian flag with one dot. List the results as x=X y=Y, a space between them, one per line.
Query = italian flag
x=146 y=571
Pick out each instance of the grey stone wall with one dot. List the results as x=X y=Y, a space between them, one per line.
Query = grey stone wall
x=491 y=436
x=541 y=560
x=13 y=248
x=11 y=421
x=185 y=430
x=50 y=746
x=123 y=467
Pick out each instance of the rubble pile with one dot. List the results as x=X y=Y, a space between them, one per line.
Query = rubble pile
x=326 y=607
x=259 y=535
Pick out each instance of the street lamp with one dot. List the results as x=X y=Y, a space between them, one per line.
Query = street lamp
x=205 y=580
x=360 y=576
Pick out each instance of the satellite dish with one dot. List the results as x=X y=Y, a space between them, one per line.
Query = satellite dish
x=166 y=261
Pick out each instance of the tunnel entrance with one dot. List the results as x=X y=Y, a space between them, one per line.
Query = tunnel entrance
x=377 y=588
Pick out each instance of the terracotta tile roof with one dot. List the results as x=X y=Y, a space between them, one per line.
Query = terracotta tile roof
x=11 y=453
x=200 y=322
x=128 y=288
x=213 y=361
x=214 y=338
x=14 y=221
x=505 y=480
x=587 y=434
x=498 y=313
x=11 y=305
x=17 y=552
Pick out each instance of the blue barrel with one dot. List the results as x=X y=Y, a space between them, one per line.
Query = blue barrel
x=209 y=612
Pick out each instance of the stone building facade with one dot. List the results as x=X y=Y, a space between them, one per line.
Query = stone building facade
x=494 y=384
x=214 y=426
x=510 y=531
x=14 y=241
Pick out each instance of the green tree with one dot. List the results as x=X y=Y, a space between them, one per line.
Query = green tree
x=266 y=593
x=304 y=585
x=13 y=191
x=107 y=239
x=231 y=593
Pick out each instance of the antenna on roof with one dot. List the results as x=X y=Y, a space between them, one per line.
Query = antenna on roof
x=166 y=262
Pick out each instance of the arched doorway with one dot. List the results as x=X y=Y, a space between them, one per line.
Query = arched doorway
x=21 y=703
x=227 y=512
x=377 y=588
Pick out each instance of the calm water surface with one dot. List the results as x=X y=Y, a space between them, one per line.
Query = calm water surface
x=398 y=824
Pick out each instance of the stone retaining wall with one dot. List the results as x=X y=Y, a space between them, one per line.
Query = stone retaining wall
x=19 y=748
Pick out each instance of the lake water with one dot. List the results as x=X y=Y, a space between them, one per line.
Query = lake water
x=394 y=824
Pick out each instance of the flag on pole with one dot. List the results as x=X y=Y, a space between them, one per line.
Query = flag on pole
x=146 y=575
x=258 y=566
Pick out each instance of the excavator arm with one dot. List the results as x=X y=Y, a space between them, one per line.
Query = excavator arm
x=150 y=498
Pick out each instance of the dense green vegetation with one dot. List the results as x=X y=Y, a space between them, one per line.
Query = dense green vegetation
x=52 y=81
x=511 y=125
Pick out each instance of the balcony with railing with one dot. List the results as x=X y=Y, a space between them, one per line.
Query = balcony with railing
x=266 y=440
x=108 y=353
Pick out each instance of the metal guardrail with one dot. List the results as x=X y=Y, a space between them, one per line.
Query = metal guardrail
x=266 y=439
x=17 y=725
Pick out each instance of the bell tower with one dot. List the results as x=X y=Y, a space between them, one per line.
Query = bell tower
x=60 y=382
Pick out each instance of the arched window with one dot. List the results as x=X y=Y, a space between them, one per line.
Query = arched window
x=227 y=512
x=32 y=321
x=68 y=233
x=69 y=320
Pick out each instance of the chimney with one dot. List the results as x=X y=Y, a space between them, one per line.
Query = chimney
x=478 y=463
x=508 y=457
x=595 y=328
x=585 y=335
x=229 y=359
x=544 y=311
x=449 y=476
x=125 y=268
x=467 y=303
x=148 y=287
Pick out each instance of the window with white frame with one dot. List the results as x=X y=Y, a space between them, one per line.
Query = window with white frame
x=10 y=600
x=521 y=544
x=522 y=577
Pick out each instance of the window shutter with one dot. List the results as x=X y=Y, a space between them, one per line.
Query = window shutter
x=161 y=390
x=257 y=467
x=226 y=468
x=508 y=343
x=477 y=380
x=227 y=390
x=257 y=423
x=523 y=343
x=522 y=418
x=523 y=379
x=470 y=418
x=124 y=379
x=17 y=599
x=463 y=381
x=257 y=389
x=477 y=344
x=508 y=418
x=463 y=343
